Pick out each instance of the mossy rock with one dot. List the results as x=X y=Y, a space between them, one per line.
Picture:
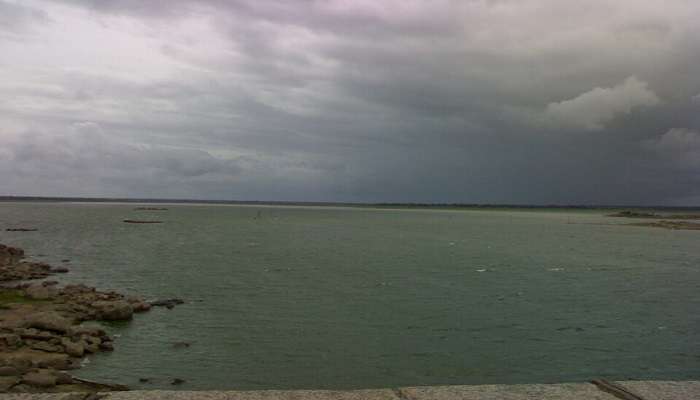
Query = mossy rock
x=15 y=296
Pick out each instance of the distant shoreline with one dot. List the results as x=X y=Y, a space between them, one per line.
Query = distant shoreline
x=340 y=204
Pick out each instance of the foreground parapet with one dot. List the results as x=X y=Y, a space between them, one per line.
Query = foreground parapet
x=667 y=390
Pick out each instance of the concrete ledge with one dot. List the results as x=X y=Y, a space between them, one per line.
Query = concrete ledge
x=664 y=390
x=563 y=391
x=651 y=390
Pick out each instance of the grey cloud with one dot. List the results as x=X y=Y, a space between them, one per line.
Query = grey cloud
x=16 y=19
x=679 y=145
x=357 y=101
x=593 y=109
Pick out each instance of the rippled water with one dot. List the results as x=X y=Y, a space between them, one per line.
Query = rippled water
x=295 y=297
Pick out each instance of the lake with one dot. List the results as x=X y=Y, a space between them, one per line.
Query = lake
x=331 y=297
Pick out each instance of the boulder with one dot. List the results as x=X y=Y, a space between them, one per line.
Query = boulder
x=35 y=334
x=73 y=349
x=6 y=382
x=141 y=307
x=106 y=346
x=21 y=364
x=63 y=378
x=47 y=347
x=89 y=330
x=10 y=339
x=91 y=344
x=49 y=321
x=56 y=361
x=113 y=310
x=41 y=292
x=8 y=371
x=41 y=378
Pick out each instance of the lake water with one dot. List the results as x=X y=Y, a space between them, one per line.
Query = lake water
x=321 y=297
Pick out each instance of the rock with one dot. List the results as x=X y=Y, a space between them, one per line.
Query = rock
x=180 y=345
x=41 y=292
x=73 y=349
x=89 y=330
x=6 y=382
x=113 y=310
x=177 y=381
x=49 y=321
x=8 y=371
x=141 y=307
x=47 y=347
x=41 y=378
x=10 y=339
x=59 y=361
x=63 y=378
x=35 y=334
x=20 y=364
x=169 y=303
x=106 y=346
x=11 y=252
x=90 y=348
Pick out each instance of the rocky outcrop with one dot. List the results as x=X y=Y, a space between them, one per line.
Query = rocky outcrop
x=50 y=321
x=11 y=270
x=42 y=330
x=673 y=225
x=113 y=310
x=41 y=292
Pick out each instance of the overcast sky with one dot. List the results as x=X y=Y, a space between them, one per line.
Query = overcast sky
x=489 y=101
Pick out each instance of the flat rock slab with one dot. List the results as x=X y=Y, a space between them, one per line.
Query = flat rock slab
x=562 y=391
x=649 y=390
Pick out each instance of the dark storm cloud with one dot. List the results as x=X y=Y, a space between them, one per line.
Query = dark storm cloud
x=536 y=101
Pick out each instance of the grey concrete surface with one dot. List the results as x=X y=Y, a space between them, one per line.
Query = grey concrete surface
x=563 y=391
x=664 y=390
x=649 y=390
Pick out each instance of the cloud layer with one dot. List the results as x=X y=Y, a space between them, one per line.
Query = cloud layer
x=535 y=101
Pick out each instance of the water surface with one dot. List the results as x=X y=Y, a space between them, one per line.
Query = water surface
x=321 y=297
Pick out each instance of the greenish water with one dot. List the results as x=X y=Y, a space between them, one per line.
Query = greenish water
x=350 y=298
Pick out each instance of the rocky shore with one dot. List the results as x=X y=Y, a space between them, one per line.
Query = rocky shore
x=674 y=225
x=669 y=221
x=46 y=329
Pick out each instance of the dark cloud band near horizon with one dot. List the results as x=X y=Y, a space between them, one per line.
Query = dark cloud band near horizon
x=480 y=101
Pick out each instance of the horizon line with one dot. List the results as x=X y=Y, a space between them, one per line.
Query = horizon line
x=89 y=199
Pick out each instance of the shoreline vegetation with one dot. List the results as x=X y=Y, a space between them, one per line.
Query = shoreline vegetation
x=46 y=330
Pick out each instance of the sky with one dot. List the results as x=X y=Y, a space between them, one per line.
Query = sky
x=469 y=101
